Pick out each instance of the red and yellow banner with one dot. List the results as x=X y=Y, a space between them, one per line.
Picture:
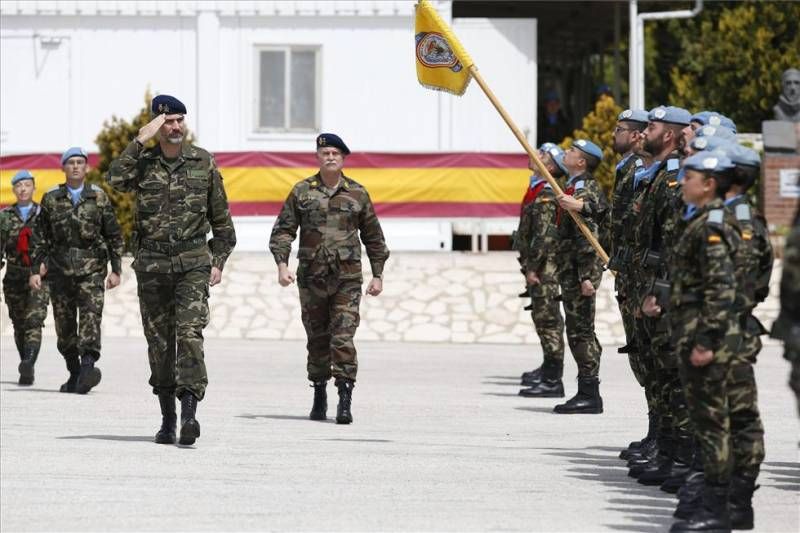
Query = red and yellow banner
x=401 y=185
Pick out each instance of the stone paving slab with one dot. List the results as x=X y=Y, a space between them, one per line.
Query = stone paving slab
x=441 y=442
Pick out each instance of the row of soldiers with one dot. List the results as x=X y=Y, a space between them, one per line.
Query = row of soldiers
x=692 y=259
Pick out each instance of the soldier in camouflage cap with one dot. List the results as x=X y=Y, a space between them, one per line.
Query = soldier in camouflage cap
x=179 y=199
x=331 y=211
x=27 y=308
x=76 y=236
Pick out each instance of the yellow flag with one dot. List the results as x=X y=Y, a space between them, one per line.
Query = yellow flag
x=442 y=63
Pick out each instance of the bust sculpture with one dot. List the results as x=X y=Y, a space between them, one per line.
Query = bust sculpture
x=788 y=106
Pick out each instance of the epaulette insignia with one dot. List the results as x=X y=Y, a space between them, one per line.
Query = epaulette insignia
x=672 y=184
x=638 y=163
x=747 y=235
x=545 y=200
x=716 y=216
x=673 y=164
x=742 y=212
x=714 y=239
x=314 y=183
x=580 y=184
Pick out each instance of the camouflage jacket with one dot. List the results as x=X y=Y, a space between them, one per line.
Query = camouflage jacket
x=11 y=224
x=330 y=224
x=574 y=250
x=659 y=216
x=66 y=236
x=177 y=204
x=622 y=197
x=754 y=260
x=703 y=274
x=541 y=235
x=787 y=325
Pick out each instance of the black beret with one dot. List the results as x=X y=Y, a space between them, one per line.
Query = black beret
x=164 y=103
x=331 y=139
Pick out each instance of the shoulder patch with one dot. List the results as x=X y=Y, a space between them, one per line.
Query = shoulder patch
x=716 y=216
x=743 y=212
x=747 y=235
x=672 y=183
x=580 y=184
x=673 y=164
x=714 y=239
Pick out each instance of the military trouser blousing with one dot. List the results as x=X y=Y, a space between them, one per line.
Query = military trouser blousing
x=579 y=318
x=549 y=322
x=329 y=301
x=77 y=312
x=27 y=309
x=174 y=309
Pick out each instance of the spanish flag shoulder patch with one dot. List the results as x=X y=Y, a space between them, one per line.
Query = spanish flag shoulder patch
x=714 y=239
x=747 y=235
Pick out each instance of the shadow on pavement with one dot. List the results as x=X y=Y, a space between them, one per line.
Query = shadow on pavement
x=514 y=383
x=19 y=388
x=782 y=476
x=548 y=410
x=122 y=438
x=354 y=440
x=285 y=417
x=500 y=394
x=512 y=378
x=645 y=508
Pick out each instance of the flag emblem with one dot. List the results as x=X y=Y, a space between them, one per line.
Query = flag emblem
x=433 y=51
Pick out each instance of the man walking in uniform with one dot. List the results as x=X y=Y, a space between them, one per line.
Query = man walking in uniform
x=332 y=211
x=75 y=237
x=179 y=199
x=27 y=308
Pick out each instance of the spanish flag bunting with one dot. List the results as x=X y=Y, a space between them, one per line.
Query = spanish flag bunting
x=442 y=63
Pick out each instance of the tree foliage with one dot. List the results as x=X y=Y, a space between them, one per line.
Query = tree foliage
x=729 y=59
x=598 y=127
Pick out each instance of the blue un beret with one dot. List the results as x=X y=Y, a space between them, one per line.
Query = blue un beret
x=21 y=175
x=588 y=147
x=715 y=119
x=716 y=131
x=545 y=147
x=634 y=115
x=671 y=114
x=744 y=156
x=164 y=103
x=331 y=139
x=559 y=161
x=706 y=161
x=701 y=117
x=712 y=144
x=73 y=152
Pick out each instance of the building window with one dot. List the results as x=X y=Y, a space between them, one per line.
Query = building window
x=287 y=88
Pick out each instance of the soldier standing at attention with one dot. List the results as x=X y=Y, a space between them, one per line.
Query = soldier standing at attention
x=580 y=272
x=331 y=211
x=538 y=247
x=705 y=325
x=179 y=199
x=27 y=308
x=75 y=237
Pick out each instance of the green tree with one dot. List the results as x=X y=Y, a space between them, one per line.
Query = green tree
x=598 y=127
x=729 y=59
x=116 y=134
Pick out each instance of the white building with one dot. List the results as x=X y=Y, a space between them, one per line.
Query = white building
x=256 y=75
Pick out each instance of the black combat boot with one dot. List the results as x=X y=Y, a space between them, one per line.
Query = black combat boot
x=741 y=502
x=712 y=514
x=26 y=365
x=74 y=367
x=550 y=386
x=190 y=427
x=169 y=420
x=657 y=466
x=681 y=463
x=532 y=378
x=635 y=446
x=319 y=411
x=343 y=414
x=89 y=375
x=587 y=400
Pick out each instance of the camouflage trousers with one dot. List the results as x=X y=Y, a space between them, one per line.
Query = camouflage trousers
x=329 y=302
x=747 y=430
x=549 y=322
x=627 y=306
x=579 y=319
x=77 y=312
x=27 y=310
x=174 y=310
x=793 y=356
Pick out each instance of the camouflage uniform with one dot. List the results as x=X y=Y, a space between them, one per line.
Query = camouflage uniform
x=538 y=236
x=329 y=272
x=702 y=313
x=659 y=225
x=27 y=308
x=76 y=242
x=754 y=269
x=787 y=326
x=177 y=203
x=577 y=261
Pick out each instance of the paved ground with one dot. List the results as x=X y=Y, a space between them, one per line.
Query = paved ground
x=441 y=442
